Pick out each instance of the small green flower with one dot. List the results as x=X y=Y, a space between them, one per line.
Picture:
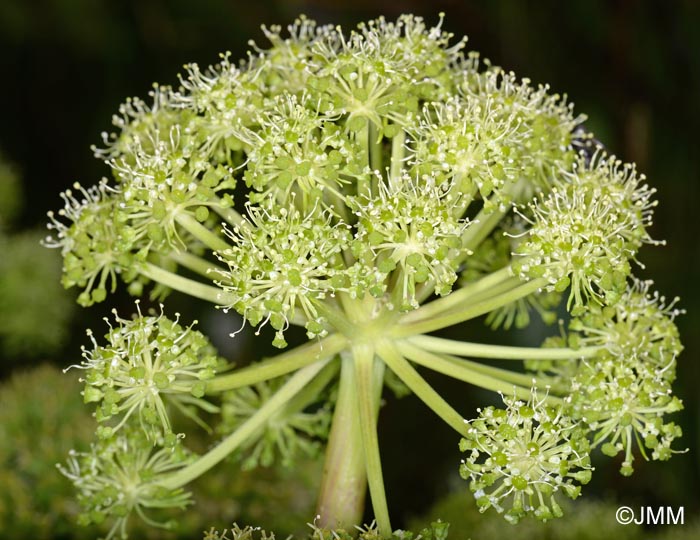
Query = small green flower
x=410 y=229
x=625 y=404
x=520 y=457
x=640 y=327
x=544 y=123
x=299 y=150
x=586 y=230
x=93 y=247
x=122 y=474
x=148 y=364
x=282 y=260
x=472 y=141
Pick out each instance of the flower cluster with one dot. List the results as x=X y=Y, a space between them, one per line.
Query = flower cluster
x=293 y=432
x=625 y=392
x=93 y=253
x=520 y=457
x=411 y=229
x=150 y=363
x=123 y=474
x=546 y=120
x=281 y=260
x=586 y=230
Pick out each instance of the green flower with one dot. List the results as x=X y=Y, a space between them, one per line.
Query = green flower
x=639 y=327
x=122 y=474
x=413 y=230
x=282 y=259
x=625 y=403
x=93 y=246
x=586 y=230
x=148 y=364
x=520 y=457
x=542 y=135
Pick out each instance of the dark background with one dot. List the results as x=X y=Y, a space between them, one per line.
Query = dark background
x=632 y=66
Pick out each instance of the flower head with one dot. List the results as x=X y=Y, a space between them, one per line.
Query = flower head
x=520 y=457
x=413 y=228
x=543 y=123
x=280 y=260
x=297 y=150
x=639 y=327
x=123 y=474
x=586 y=230
x=625 y=404
x=94 y=248
x=148 y=364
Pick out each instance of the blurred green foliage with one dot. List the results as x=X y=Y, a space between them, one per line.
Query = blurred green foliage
x=41 y=419
x=586 y=519
x=34 y=308
x=10 y=192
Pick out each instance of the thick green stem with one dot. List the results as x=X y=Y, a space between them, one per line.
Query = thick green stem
x=364 y=182
x=418 y=385
x=480 y=228
x=369 y=373
x=184 y=285
x=376 y=159
x=502 y=352
x=470 y=311
x=344 y=485
x=229 y=214
x=279 y=365
x=298 y=381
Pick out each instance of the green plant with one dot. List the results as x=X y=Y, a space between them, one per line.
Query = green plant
x=26 y=264
x=392 y=186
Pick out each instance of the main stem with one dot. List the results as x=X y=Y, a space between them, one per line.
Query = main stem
x=344 y=485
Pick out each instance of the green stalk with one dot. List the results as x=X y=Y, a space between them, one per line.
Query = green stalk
x=376 y=160
x=229 y=214
x=521 y=379
x=195 y=263
x=501 y=352
x=279 y=365
x=364 y=183
x=184 y=285
x=420 y=387
x=470 y=311
x=210 y=239
x=344 y=484
x=369 y=373
x=248 y=428
x=461 y=371
x=484 y=223
x=494 y=283
x=313 y=390
x=486 y=220
x=397 y=156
